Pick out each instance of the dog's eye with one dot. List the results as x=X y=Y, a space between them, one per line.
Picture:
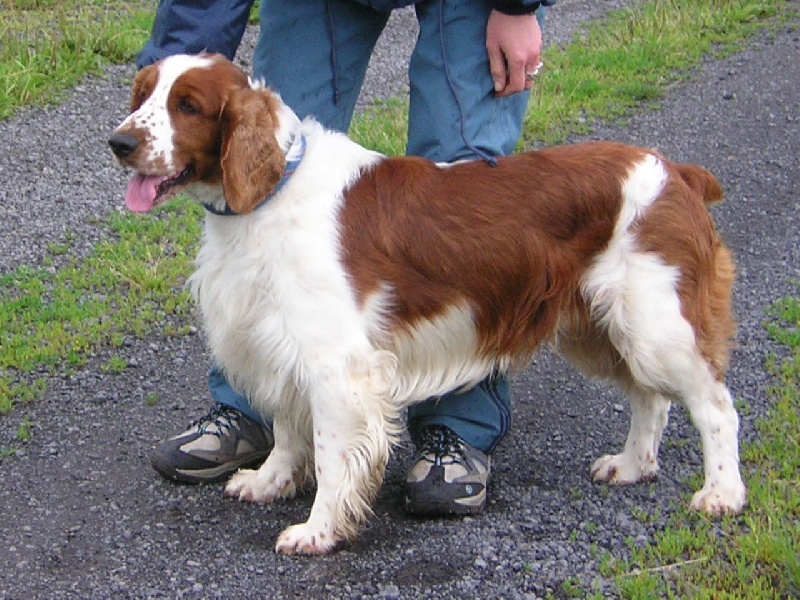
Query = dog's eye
x=187 y=107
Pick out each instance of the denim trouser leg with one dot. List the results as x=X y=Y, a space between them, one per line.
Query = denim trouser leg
x=453 y=113
x=315 y=54
x=223 y=393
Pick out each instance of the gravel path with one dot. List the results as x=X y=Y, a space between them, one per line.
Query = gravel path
x=96 y=521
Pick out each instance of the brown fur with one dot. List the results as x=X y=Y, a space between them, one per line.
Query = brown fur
x=252 y=163
x=490 y=228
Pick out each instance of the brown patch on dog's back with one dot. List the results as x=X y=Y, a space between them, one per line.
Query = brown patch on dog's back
x=479 y=234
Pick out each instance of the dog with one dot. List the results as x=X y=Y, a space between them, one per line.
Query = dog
x=339 y=286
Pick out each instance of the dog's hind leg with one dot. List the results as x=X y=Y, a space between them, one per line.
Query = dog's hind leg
x=684 y=374
x=590 y=350
x=639 y=460
x=713 y=414
x=644 y=320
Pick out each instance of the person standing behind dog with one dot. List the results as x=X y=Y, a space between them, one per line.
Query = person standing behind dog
x=470 y=74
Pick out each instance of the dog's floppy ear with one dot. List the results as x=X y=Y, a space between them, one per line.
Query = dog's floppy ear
x=252 y=160
x=143 y=86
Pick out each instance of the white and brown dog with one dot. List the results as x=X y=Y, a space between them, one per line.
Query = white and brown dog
x=339 y=286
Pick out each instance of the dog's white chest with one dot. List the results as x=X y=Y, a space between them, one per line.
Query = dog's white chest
x=272 y=296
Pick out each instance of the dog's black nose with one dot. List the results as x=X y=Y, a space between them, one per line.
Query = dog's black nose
x=123 y=144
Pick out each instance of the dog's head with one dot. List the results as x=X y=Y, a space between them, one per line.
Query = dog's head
x=199 y=121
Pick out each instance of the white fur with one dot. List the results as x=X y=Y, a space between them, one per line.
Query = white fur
x=438 y=356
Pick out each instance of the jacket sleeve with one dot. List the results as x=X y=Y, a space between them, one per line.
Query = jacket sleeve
x=520 y=7
x=192 y=26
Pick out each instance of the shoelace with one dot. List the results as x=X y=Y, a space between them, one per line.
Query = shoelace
x=224 y=417
x=441 y=443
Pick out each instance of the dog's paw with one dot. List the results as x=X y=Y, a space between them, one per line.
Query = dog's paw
x=717 y=500
x=305 y=539
x=260 y=487
x=622 y=469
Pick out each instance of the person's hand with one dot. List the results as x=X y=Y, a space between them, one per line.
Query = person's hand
x=514 y=44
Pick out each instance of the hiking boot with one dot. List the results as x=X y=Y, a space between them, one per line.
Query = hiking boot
x=449 y=476
x=212 y=447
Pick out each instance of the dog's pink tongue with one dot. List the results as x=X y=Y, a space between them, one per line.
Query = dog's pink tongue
x=141 y=193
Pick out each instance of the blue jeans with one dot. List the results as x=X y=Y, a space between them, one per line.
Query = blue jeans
x=315 y=54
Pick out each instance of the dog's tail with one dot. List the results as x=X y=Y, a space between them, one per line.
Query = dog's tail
x=703 y=182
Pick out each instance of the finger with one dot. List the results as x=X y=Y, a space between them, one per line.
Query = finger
x=516 y=77
x=498 y=68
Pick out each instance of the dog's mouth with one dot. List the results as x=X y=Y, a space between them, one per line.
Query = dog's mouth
x=145 y=192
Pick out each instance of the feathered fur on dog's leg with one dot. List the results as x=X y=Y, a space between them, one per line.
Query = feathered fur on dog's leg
x=355 y=425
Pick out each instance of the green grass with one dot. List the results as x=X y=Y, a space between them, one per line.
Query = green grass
x=56 y=316
x=383 y=127
x=51 y=319
x=48 y=46
x=633 y=58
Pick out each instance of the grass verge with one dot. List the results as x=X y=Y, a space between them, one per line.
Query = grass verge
x=51 y=317
x=56 y=319
x=49 y=45
x=632 y=59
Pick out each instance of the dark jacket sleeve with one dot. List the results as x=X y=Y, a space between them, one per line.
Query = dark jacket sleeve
x=191 y=26
x=520 y=7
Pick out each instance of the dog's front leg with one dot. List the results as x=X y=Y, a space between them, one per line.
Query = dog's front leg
x=285 y=470
x=353 y=430
x=324 y=528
